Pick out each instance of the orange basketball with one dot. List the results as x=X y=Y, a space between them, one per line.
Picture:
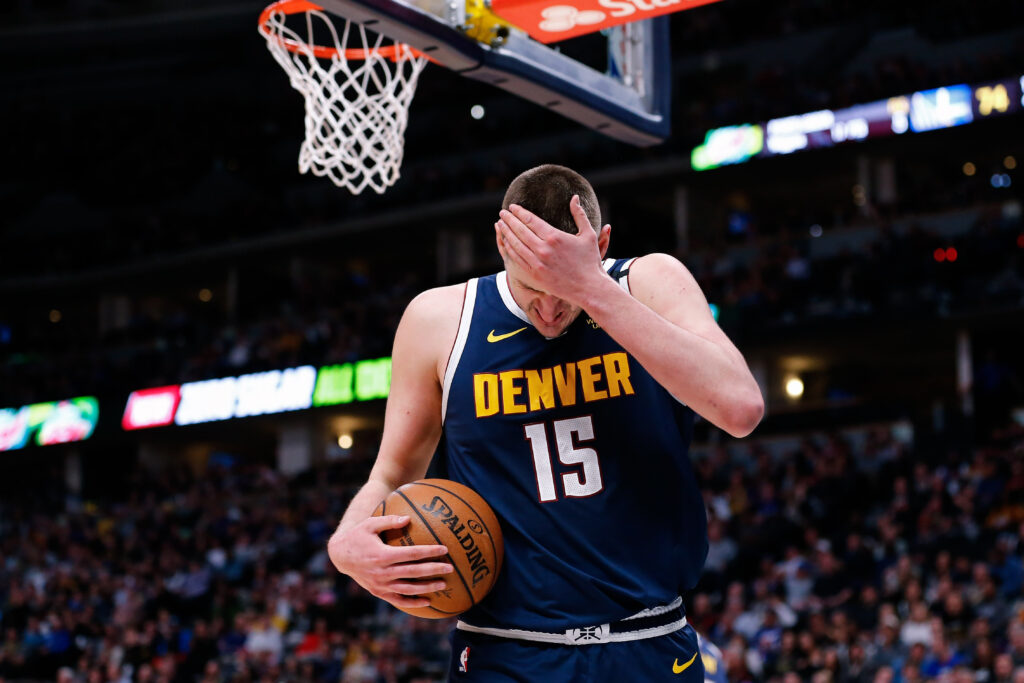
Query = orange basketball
x=447 y=513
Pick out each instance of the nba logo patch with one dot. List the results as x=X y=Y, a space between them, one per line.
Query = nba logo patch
x=464 y=660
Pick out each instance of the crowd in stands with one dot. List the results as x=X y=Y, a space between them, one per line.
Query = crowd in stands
x=218 y=577
x=337 y=315
x=878 y=565
x=892 y=275
x=883 y=563
x=332 y=315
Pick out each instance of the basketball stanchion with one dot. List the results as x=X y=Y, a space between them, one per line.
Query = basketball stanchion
x=357 y=92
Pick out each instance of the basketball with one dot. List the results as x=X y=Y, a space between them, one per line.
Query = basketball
x=447 y=513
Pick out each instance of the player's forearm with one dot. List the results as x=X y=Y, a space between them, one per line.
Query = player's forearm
x=364 y=503
x=705 y=376
x=344 y=543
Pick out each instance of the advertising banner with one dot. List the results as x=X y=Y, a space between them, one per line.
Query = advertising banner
x=151 y=407
x=258 y=393
x=49 y=423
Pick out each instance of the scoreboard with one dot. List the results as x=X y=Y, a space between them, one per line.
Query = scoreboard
x=946 y=107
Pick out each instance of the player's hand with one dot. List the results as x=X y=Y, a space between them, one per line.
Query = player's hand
x=397 y=574
x=556 y=262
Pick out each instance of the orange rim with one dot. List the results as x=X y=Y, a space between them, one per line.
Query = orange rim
x=288 y=7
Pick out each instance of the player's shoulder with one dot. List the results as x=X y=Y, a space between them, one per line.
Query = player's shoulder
x=654 y=261
x=438 y=301
x=655 y=270
x=430 y=324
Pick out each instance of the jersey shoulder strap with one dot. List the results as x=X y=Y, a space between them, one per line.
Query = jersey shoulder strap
x=618 y=269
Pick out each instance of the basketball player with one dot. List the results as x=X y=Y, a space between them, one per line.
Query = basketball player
x=563 y=391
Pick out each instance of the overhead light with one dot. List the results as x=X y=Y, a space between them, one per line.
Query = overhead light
x=794 y=387
x=345 y=441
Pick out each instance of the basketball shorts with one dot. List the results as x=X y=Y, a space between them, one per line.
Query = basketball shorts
x=482 y=658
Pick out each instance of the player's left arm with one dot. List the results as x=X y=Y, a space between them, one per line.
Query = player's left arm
x=667 y=325
x=664 y=322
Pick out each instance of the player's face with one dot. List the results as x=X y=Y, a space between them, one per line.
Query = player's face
x=549 y=314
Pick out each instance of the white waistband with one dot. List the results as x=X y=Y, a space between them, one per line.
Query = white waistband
x=587 y=635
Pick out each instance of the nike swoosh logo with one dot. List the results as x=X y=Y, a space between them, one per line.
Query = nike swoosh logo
x=678 y=668
x=498 y=337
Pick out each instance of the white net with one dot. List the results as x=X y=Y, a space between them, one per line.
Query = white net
x=356 y=109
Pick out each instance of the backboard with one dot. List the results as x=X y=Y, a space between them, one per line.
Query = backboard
x=629 y=102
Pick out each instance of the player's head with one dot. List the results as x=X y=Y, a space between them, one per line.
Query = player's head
x=546 y=192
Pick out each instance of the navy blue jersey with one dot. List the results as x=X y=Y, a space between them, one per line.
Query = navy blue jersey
x=583 y=457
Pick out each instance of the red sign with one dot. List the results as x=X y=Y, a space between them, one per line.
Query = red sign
x=151 y=407
x=552 y=20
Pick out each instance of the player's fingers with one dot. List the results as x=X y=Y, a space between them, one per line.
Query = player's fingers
x=414 y=553
x=527 y=235
x=515 y=250
x=583 y=227
x=579 y=214
x=378 y=524
x=534 y=222
x=420 y=570
x=416 y=588
x=406 y=602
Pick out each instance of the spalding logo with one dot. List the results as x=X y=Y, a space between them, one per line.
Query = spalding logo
x=441 y=510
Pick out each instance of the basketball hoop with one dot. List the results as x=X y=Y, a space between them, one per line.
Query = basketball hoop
x=357 y=98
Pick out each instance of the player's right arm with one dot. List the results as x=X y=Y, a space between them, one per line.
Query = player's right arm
x=412 y=428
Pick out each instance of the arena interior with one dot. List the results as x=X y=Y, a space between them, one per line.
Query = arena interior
x=157 y=235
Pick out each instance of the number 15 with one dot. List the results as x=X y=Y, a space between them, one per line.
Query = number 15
x=575 y=484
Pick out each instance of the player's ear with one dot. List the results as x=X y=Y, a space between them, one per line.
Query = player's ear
x=499 y=243
x=604 y=235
